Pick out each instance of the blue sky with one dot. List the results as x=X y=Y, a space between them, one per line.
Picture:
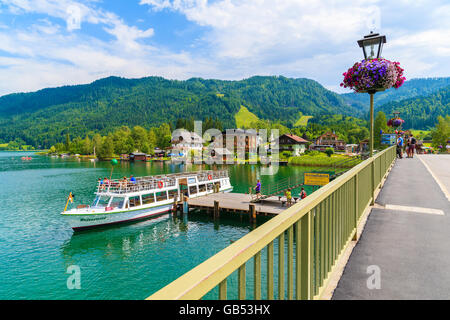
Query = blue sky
x=48 y=43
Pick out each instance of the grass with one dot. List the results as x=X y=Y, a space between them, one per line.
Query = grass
x=245 y=118
x=321 y=160
x=303 y=121
x=420 y=134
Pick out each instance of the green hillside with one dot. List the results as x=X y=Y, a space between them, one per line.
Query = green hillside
x=302 y=121
x=245 y=118
x=420 y=112
x=44 y=117
x=410 y=89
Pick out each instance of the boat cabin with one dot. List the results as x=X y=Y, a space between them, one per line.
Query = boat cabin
x=120 y=194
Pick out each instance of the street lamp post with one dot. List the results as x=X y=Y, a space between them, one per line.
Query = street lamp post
x=372 y=46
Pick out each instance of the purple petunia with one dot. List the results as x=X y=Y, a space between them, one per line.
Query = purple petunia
x=376 y=74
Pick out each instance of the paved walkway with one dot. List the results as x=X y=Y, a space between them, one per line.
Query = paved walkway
x=406 y=241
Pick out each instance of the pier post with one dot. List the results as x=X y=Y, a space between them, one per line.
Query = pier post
x=175 y=206
x=185 y=206
x=252 y=212
x=216 y=210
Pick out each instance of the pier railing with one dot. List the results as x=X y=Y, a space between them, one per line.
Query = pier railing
x=309 y=237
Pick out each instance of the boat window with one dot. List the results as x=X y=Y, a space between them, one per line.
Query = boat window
x=193 y=190
x=102 y=201
x=210 y=186
x=134 y=201
x=148 y=198
x=202 y=188
x=161 y=196
x=117 y=202
x=173 y=194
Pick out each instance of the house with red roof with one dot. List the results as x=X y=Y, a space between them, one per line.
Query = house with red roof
x=292 y=143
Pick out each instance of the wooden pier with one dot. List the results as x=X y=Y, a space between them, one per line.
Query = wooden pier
x=240 y=203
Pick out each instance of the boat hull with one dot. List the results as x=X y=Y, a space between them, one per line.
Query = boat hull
x=89 y=221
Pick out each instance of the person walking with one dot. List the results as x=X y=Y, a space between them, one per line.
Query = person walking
x=258 y=189
x=408 y=140
x=399 y=146
x=412 y=145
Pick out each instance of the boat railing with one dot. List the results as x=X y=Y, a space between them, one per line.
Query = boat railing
x=212 y=175
x=155 y=182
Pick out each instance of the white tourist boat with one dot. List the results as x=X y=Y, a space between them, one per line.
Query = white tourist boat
x=151 y=196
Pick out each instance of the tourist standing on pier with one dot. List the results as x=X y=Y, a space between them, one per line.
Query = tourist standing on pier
x=303 y=194
x=258 y=189
x=289 y=197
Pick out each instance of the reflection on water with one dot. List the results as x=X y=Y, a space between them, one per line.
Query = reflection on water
x=129 y=261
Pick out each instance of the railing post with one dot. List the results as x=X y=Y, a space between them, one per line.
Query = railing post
x=270 y=271
x=305 y=260
x=257 y=276
x=281 y=266
x=355 y=191
x=372 y=180
x=223 y=290
x=290 y=262
x=241 y=280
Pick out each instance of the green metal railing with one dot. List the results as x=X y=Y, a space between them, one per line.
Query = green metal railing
x=317 y=231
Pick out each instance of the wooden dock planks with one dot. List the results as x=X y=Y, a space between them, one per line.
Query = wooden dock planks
x=238 y=202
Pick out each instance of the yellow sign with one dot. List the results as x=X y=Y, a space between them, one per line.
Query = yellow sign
x=316 y=179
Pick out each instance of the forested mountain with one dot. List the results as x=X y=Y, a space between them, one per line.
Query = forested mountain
x=420 y=112
x=45 y=117
x=410 y=89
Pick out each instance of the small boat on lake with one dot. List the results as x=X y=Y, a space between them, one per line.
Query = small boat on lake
x=119 y=201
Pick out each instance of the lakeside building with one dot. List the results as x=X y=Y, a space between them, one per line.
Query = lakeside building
x=219 y=154
x=331 y=139
x=184 y=141
x=364 y=146
x=237 y=139
x=292 y=143
x=159 y=153
x=138 y=156
x=351 y=148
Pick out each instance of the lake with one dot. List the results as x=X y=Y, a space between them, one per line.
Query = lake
x=37 y=246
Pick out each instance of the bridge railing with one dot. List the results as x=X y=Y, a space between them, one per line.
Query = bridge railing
x=317 y=230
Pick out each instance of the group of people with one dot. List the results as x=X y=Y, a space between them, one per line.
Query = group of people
x=410 y=146
x=288 y=193
x=123 y=183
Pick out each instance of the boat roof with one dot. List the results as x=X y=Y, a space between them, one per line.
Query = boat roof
x=145 y=183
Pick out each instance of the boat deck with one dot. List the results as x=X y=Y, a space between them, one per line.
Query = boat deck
x=118 y=186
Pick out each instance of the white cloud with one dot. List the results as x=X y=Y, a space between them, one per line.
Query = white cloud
x=295 y=38
x=47 y=55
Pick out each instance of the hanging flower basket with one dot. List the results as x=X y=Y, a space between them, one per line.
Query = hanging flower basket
x=395 y=122
x=373 y=75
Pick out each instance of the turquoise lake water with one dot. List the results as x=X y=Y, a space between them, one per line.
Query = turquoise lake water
x=132 y=261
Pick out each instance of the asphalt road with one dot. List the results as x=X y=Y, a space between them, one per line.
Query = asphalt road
x=439 y=165
x=404 y=254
